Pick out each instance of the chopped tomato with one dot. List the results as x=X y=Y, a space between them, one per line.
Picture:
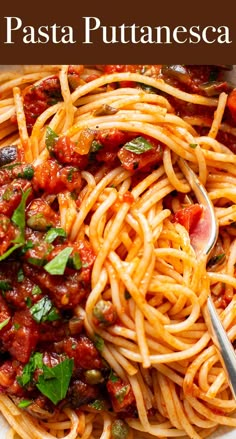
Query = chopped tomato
x=38 y=98
x=10 y=195
x=7 y=233
x=20 y=340
x=132 y=161
x=53 y=178
x=121 y=394
x=128 y=197
x=66 y=152
x=83 y=351
x=189 y=216
x=113 y=138
x=231 y=103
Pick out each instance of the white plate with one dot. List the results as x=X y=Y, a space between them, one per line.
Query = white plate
x=222 y=433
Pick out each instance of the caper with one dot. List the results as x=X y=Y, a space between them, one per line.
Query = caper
x=93 y=376
x=38 y=222
x=105 y=312
x=119 y=429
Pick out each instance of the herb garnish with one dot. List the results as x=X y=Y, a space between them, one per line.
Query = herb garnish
x=139 y=145
x=53 y=233
x=121 y=393
x=35 y=362
x=58 y=264
x=75 y=261
x=99 y=342
x=53 y=382
x=44 y=310
x=4 y=323
x=24 y=403
x=50 y=139
x=18 y=218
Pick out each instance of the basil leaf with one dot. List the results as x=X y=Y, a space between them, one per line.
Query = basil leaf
x=24 y=403
x=44 y=310
x=58 y=264
x=54 y=382
x=18 y=218
x=75 y=261
x=193 y=145
x=35 y=362
x=50 y=139
x=9 y=251
x=4 y=323
x=53 y=233
x=138 y=145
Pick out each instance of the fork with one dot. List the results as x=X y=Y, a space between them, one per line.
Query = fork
x=218 y=334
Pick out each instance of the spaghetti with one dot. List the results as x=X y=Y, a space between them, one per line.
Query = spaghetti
x=101 y=313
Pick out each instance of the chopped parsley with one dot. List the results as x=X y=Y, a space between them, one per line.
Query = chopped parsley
x=139 y=145
x=50 y=139
x=44 y=310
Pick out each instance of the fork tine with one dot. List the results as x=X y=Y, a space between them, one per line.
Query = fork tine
x=218 y=334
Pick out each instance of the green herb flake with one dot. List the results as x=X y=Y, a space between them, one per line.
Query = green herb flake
x=4 y=323
x=54 y=382
x=193 y=145
x=20 y=275
x=5 y=285
x=44 y=310
x=70 y=174
x=75 y=261
x=28 y=245
x=97 y=404
x=18 y=218
x=7 y=194
x=10 y=251
x=95 y=146
x=16 y=326
x=99 y=342
x=35 y=362
x=50 y=139
x=112 y=377
x=58 y=264
x=53 y=233
x=27 y=173
x=119 y=429
x=36 y=290
x=28 y=302
x=36 y=261
x=121 y=393
x=24 y=403
x=139 y=145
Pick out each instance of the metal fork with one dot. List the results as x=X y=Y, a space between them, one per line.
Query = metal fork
x=218 y=334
